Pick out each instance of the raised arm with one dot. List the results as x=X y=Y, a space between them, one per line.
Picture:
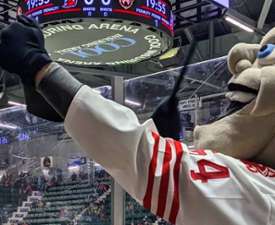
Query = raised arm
x=182 y=186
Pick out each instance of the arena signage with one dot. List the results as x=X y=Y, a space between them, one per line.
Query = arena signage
x=103 y=32
x=98 y=43
x=188 y=104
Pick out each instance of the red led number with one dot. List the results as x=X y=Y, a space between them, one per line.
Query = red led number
x=203 y=175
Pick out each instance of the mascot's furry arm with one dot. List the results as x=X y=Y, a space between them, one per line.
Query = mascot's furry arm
x=248 y=132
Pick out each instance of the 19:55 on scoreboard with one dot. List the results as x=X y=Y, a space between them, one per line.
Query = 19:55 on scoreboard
x=157 y=13
x=103 y=32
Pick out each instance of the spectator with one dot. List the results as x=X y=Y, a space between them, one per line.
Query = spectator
x=74 y=177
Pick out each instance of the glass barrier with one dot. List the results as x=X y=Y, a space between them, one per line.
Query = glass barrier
x=47 y=179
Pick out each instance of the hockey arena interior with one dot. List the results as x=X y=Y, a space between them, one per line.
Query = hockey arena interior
x=132 y=52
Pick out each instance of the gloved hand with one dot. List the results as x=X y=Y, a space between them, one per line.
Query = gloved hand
x=22 y=49
x=167 y=118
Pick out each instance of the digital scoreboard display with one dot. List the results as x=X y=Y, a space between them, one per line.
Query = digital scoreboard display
x=155 y=12
x=103 y=32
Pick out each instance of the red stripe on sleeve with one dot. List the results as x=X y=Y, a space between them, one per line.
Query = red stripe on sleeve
x=151 y=174
x=176 y=203
x=164 y=182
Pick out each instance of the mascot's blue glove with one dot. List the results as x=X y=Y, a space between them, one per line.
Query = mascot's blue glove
x=22 y=49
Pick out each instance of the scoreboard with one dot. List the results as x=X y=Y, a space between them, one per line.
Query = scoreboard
x=103 y=32
x=158 y=13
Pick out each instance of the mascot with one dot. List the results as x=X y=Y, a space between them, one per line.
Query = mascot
x=247 y=131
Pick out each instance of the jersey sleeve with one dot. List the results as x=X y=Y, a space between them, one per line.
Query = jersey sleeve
x=112 y=136
x=161 y=173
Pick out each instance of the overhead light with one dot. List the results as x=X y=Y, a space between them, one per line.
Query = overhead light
x=74 y=168
x=239 y=24
x=131 y=102
x=15 y=103
x=10 y=126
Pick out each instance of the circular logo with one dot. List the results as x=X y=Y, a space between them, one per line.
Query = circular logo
x=126 y=4
x=94 y=42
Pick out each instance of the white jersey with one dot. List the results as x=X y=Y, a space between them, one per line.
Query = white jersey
x=184 y=187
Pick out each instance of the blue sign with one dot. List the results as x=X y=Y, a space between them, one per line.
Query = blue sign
x=3 y=140
x=77 y=161
x=23 y=137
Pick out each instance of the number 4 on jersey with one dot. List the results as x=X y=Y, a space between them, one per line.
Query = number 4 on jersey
x=219 y=171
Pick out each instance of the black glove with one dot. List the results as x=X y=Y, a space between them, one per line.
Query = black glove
x=22 y=49
x=38 y=106
x=167 y=118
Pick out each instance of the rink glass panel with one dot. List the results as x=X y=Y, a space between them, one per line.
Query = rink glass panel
x=45 y=174
x=201 y=96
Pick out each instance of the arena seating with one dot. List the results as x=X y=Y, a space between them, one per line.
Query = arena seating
x=10 y=198
x=79 y=202
x=63 y=203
